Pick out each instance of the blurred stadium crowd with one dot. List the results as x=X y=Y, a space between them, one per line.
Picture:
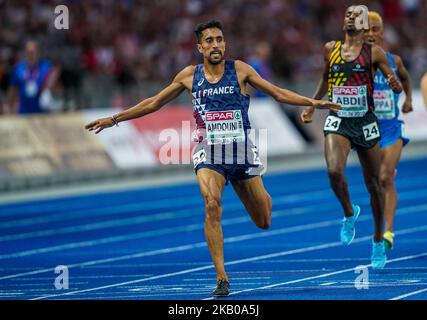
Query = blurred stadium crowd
x=117 y=52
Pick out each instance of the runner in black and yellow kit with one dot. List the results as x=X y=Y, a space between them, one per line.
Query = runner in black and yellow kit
x=348 y=78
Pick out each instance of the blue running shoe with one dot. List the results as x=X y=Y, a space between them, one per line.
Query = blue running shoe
x=378 y=258
x=347 y=230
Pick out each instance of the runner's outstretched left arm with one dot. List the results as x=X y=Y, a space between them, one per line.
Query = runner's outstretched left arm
x=279 y=94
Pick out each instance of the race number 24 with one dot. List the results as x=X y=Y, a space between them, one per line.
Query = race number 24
x=332 y=123
x=371 y=131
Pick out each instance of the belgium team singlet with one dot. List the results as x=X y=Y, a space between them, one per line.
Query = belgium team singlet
x=350 y=84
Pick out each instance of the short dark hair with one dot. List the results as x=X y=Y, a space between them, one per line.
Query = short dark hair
x=203 y=26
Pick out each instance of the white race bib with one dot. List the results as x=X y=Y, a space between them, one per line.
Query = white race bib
x=332 y=123
x=199 y=157
x=31 y=88
x=371 y=131
x=224 y=127
x=384 y=104
x=353 y=99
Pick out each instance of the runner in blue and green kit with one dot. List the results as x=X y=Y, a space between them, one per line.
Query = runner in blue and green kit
x=391 y=127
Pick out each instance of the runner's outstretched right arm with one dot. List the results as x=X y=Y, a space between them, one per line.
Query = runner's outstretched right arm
x=146 y=106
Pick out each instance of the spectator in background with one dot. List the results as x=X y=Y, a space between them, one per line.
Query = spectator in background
x=30 y=84
x=138 y=33
x=424 y=89
x=261 y=63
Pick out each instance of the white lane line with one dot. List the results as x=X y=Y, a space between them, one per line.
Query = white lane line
x=75 y=215
x=96 y=226
x=335 y=272
x=129 y=208
x=252 y=259
x=6 y=294
x=134 y=220
x=160 y=203
x=140 y=206
x=410 y=294
x=151 y=233
x=257 y=258
x=114 y=223
x=327 y=283
x=404 y=211
x=158 y=232
x=154 y=203
x=234 y=239
x=183 y=199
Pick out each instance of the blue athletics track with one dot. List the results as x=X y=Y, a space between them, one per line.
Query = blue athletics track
x=149 y=243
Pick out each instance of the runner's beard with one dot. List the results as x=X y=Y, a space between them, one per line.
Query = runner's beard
x=350 y=28
x=215 y=62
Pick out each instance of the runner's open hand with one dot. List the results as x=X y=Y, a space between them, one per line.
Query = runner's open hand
x=100 y=124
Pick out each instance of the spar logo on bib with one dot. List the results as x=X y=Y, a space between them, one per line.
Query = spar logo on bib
x=220 y=116
x=224 y=126
x=223 y=115
x=380 y=95
x=349 y=91
x=383 y=95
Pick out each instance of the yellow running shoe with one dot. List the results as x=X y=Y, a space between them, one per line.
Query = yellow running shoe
x=388 y=240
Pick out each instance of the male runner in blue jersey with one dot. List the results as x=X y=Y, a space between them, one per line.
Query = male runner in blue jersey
x=349 y=67
x=220 y=105
x=391 y=128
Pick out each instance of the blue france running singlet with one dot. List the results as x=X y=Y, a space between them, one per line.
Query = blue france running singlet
x=220 y=108
x=386 y=101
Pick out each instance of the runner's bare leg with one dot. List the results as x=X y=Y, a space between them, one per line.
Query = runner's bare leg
x=211 y=186
x=337 y=149
x=390 y=157
x=256 y=200
x=370 y=159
